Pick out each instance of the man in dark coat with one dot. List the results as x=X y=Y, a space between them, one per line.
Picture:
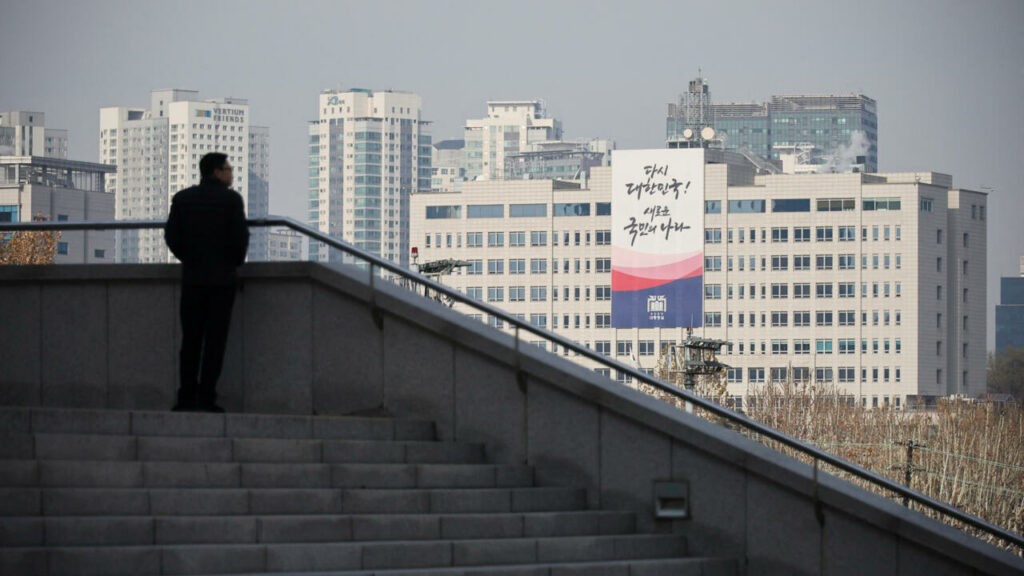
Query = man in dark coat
x=207 y=231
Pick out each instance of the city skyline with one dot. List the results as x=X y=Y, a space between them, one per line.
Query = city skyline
x=945 y=75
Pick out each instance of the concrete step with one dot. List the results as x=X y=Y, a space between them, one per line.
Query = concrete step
x=443 y=554
x=130 y=474
x=241 y=501
x=165 y=530
x=659 y=567
x=151 y=423
x=45 y=446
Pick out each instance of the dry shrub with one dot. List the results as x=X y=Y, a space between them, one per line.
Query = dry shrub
x=29 y=248
x=967 y=454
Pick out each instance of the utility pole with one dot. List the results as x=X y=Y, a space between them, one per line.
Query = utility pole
x=908 y=468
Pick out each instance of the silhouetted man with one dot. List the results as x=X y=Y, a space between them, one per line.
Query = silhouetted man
x=206 y=230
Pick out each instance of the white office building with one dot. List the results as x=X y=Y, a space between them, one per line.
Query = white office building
x=369 y=151
x=510 y=127
x=872 y=282
x=157 y=151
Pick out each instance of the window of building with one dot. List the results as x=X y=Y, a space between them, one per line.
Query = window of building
x=495 y=294
x=780 y=234
x=746 y=206
x=496 y=266
x=517 y=293
x=538 y=238
x=824 y=233
x=485 y=211
x=881 y=204
x=527 y=210
x=516 y=239
x=802 y=318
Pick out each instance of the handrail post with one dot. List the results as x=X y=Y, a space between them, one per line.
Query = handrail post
x=378 y=317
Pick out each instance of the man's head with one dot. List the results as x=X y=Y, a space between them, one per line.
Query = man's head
x=215 y=165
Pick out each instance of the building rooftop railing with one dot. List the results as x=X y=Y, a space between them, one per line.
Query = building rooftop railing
x=731 y=418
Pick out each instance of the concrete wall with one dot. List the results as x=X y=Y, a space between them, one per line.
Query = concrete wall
x=304 y=339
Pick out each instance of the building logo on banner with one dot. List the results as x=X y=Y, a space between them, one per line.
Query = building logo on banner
x=658 y=238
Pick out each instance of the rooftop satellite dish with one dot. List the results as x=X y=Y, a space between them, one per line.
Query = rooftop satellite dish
x=707 y=133
x=687 y=134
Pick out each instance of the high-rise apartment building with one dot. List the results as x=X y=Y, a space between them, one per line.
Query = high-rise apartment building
x=60 y=190
x=509 y=128
x=157 y=151
x=258 y=185
x=874 y=283
x=368 y=153
x=25 y=134
x=1010 y=311
x=285 y=245
x=822 y=126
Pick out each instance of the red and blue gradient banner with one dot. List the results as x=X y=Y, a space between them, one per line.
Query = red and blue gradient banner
x=658 y=238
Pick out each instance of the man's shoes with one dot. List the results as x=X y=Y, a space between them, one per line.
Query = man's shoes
x=188 y=407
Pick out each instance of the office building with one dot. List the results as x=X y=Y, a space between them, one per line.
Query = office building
x=60 y=190
x=509 y=128
x=873 y=283
x=157 y=151
x=1010 y=311
x=25 y=134
x=369 y=151
x=837 y=132
x=559 y=159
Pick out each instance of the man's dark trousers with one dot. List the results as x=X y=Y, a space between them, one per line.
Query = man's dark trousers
x=205 y=317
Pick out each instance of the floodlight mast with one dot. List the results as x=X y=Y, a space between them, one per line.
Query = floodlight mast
x=435 y=270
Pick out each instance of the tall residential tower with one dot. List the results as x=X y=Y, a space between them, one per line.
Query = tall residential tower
x=157 y=152
x=368 y=153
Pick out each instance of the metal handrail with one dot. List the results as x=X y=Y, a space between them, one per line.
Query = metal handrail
x=741 y=419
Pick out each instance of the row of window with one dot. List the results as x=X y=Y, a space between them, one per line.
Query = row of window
x=878 y=233
x=844 y=374
x=801 y=290
x=473 y=211
x=823 y=318
x=540 y=293
x=802 y=262
x=541 y=321
x=539 y=266
x=802 y=205
x=517 y=239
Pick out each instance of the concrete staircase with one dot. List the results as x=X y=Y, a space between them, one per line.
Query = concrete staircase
x=130 y=492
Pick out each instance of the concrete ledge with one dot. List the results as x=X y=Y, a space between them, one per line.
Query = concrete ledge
x=528 y=406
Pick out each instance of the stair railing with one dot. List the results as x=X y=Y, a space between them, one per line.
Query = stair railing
x=817 y=455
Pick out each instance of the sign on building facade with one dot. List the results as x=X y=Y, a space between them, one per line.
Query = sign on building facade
x=657 y=238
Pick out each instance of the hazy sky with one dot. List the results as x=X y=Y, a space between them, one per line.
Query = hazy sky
x=948 y=76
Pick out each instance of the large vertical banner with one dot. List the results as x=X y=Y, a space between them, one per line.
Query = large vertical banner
x=658 y=238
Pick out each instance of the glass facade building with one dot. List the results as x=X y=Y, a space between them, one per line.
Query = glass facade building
x=823 y=125
x=1010 y=312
